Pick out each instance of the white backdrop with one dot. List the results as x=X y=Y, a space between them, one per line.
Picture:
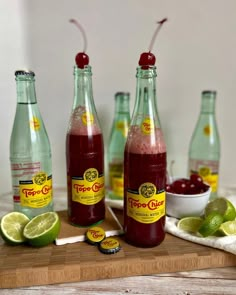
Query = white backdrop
x=195 y=51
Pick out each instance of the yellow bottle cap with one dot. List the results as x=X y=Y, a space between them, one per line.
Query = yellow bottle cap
x=109 y=246
x=95 y=235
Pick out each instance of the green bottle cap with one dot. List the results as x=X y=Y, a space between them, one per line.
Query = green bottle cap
x=95 y=235
x=109 y=246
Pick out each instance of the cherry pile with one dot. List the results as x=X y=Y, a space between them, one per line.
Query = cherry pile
x=184 y=186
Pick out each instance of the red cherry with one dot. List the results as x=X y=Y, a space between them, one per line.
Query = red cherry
x=147 y=58
x=169 y=188
x=181 y=186
x=81 y=59
x=196 y=179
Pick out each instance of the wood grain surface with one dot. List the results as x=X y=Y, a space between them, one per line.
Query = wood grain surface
x=28 y=266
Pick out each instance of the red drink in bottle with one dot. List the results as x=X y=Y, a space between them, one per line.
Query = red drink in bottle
x=144 y=182
x=145 y=161
x=85 y=155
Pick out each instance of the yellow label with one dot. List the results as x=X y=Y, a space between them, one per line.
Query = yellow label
x=208 y=177
x=35 y=124
x=147 y=126
x=36 y=193
x=122 y=127
x=117 y=186
x=90 y=189
x=207 y=130
x=87 y=118
x=146 y=205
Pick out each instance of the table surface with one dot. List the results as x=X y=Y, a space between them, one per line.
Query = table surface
x=207 y=281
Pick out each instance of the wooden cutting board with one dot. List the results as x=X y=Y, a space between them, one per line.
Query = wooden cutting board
x=26 y=266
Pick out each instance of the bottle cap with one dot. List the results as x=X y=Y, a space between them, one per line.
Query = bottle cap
x=109 y=246
x=95 y=235
x=24 y=72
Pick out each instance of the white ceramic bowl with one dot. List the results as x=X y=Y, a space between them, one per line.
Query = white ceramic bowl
x=178 y=205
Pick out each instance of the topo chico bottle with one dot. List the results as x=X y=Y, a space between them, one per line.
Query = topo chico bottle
x=204 y=148
x=145 y=167
x=30 y=152
x=85 y=155
x=116 y=146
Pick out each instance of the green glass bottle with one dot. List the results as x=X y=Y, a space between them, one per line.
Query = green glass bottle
x=204 y=149
x=85 y=155
x=116 y=145
x=30 y=152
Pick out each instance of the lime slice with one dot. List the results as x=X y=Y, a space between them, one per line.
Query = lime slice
x=211 y=224
x=228 y=228
x=11 y=227
x=223 y=207
x=42 y=229
x=190 y=224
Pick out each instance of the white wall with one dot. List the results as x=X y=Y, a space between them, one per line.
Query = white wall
x=195 y=51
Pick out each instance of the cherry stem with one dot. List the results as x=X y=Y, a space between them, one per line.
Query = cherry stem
x=156 y=32
x=78 y=25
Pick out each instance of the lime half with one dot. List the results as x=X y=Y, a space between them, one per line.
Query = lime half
x=11 y=227
x=190 y=224
x=223 y=207
x=228 y=228
x=211 y=224
x=42 y=229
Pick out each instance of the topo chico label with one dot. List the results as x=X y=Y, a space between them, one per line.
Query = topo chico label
x=207 y=169
x=36 y=193
x=148 y=126
x=89 y=189
x=87 y=118
x=147 y=205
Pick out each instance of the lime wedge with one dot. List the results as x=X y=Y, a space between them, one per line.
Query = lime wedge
x=228 y=228
x=190 y=224
x=42 y=229
x=223 y=207
x=11 y=227
x=211 y=224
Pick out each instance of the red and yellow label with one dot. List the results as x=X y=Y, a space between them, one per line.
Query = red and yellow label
x=90 y=189
x=147 y=205
x=35 y=123
x=148 y=126
x=36 y=193
x=87 y=118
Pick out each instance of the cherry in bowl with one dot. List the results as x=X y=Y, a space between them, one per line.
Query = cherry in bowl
x=186 y=197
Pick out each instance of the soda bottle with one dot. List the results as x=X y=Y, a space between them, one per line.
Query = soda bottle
x=116 y=146
x=145 y=163
x=30 y=152
x=84 y=151
x=204 y=149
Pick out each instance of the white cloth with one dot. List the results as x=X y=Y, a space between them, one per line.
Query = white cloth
x=226 y=243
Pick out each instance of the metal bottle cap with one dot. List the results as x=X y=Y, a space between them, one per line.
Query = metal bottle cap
x=95 y=235
x=24 y=72
x=109 y=246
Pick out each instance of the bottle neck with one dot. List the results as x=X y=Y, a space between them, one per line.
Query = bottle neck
x=25 y=87
x=145 y=104
x=208 y=102
x=83 y=90
x=122 y=103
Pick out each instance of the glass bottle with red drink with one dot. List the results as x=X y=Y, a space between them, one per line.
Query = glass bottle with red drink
x=145 y=163
x=84 y=151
